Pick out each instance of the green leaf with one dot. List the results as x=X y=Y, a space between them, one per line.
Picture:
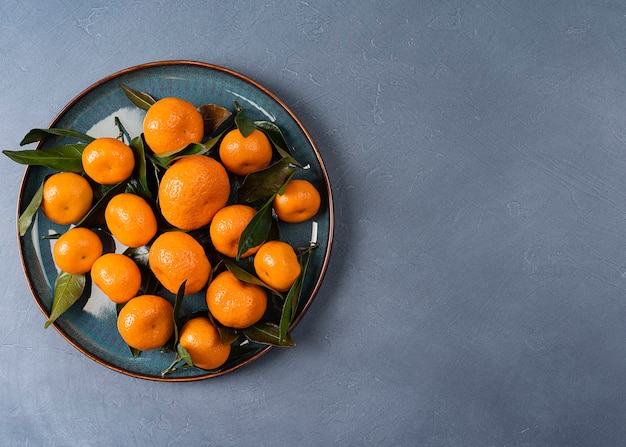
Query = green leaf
x=257 y=230
x=35 y=135
x=140 y=99
x=177 y=305
x=228 y=335
x=214 y=116
x=123 y=135
x=95 y=216
x=167 y=158
x=266 y=182
x=276 y=136
x=288 y=311
x=139 y=255
x=244 y=276
x=243 y=123
x=26 y=218
x=60 y=158
x=67 y=289
x=268 y=334
x=290 y=306
x=140 y=171
x=183 y=354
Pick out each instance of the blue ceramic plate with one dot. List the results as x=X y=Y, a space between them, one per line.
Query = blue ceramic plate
x=90 y=325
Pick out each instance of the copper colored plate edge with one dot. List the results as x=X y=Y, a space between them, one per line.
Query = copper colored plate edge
x=329 y=198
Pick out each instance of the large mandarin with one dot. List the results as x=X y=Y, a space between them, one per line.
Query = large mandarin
x=192 y=190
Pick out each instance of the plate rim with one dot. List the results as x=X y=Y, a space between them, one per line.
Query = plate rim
x=329 y=199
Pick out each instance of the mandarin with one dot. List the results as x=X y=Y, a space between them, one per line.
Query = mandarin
x=171 y=124
x=146 y=322
x=108 y=161
x=117 y=276
x=235 y=303
x=66 y=197
x=192 y=190
x=130 y=220
x=243 y=155
x=76 y=250
x=202 y=341
x=175 y=257
x=227 y=226
x=299 y=202
x=277 y=265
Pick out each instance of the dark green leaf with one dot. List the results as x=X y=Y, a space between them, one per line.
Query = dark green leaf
x=60 y=158
x=67 y=289
x=243 y=123
x=26 y=218
x=257 y=230
x=275 y=135
x=266 y=182
x=267 y=333
x=167 y=158
x=214 y=116
x=183 y=354
x=228 y=335
x=140 y=171
x=139 y=255
x=123 y=135
x=95 y=217
x=244 y=276
x=177 y=305
x=287 y=312
x=140 y=99
x=274 y=234
x=290 y=306
x=35 y=135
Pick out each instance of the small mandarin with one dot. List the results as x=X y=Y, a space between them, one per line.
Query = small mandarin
x=117 y=276
x=108 y=161
x=243 y=155
x=277 y=265
x=171 y=124
x=76 y=250
x=66 y=197
x=192 y=190
x=235 y=303
x=175 y=257
x=299 y=202
x=202 y=341
x=227 y=226
x=146 y=322
x=130 y=220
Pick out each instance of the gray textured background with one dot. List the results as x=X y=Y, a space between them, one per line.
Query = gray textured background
x=475 y=295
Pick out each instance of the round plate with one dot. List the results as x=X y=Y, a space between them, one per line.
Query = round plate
x=90 y=324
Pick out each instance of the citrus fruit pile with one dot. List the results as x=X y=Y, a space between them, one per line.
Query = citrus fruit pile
x=193 y=205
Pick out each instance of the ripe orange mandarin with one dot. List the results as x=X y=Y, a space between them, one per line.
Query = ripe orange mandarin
x=227 y=226
x=201 y=340
x=277 y=265
x=130 y=220
x=117 y=276
x=171 y=124
x=76 y=250
x=299 y=202
x=235 y=303
x=146 y=322
x=108 y=161
x=243 y=155
x=192 y=190
x=175 y=257
x=66 y=197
